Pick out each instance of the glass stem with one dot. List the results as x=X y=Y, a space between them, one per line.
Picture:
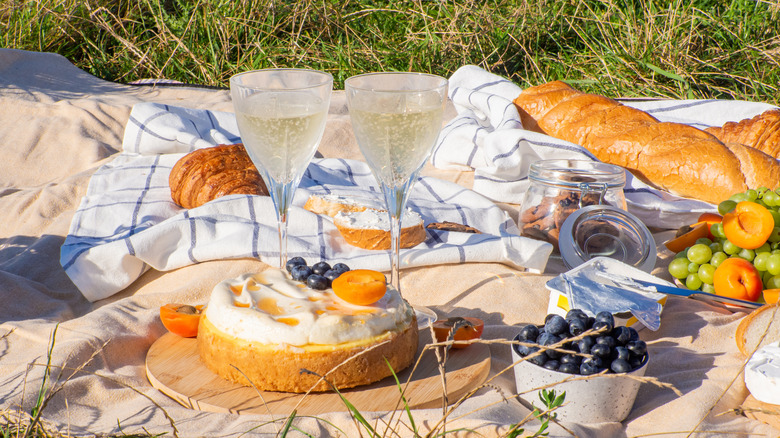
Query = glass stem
x=282 y=239
x=395 y=248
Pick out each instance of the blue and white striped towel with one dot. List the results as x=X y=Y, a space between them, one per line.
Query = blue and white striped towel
x=127 y=223
x=487 y=136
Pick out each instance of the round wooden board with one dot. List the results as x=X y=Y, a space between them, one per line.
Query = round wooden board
x=174 y=367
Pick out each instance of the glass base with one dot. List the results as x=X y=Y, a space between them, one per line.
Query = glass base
x=425 y=316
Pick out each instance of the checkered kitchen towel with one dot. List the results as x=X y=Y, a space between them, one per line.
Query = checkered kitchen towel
x=487 y=136
x=127 y=223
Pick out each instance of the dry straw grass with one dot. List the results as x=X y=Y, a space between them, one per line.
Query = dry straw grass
x=679 y=49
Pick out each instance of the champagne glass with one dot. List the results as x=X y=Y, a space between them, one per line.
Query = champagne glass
x=396 y=118
x=281 y=116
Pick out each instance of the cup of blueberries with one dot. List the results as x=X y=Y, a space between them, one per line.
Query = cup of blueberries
x=617 y=352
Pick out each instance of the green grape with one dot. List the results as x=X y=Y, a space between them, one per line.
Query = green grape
x=775 y=247
x=693 y=267
x=760 y=261
x=776 y=216
x=773 y=264
x=716 y=247
x=777 y=191
x=717 y=258
x=762 y=203
x=761 y=191
x=682 y=254
x=678 y=268
x=774 y=282
x=699 y=253
x=775 y=236
x=763 y=248
x=765 y=277
x=726 y=206
x=747 y=254
x=704 y=240
x=717 y=230
x=752 y=195
x=771 y=199
x=693 y=282
x=706 y=273
x=739 y=197
x=730 y=247
x=710 y=289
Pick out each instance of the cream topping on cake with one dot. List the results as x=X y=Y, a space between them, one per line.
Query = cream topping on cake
x=271 y=308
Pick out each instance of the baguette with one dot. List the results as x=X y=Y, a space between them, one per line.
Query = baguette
x=761 y=132
x=363 y=225
x=760 y=327
x=209 y=173
x=674 y=157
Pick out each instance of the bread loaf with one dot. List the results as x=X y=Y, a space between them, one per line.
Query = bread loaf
x=207 y=174
x=761 y=132
x=363 y=225
x=674 y=157
x=760 y=327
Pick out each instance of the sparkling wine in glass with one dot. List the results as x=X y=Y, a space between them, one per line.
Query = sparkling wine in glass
x=281 y=116
x=396 y=118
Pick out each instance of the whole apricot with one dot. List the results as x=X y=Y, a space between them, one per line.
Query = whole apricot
x=749 y=225
x=738 y=278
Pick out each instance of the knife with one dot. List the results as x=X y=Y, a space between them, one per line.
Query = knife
x=734 y=303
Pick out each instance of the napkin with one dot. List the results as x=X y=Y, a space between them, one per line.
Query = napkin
x=127 y=222
x=488 y=137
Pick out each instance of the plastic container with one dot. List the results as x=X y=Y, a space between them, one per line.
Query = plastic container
x=558 y=188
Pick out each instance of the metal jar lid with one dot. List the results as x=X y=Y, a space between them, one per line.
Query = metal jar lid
x=606 y=231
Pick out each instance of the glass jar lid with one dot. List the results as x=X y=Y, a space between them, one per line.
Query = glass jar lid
x=573 y=173
x=606 y=231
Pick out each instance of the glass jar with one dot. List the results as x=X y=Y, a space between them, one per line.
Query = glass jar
x=558 y=188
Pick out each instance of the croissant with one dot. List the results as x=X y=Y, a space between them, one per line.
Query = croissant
x=207 y=174
x=761 y=132
x=674 y=157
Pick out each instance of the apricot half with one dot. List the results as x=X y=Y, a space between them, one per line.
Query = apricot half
x=749 y=225
x=469 y=328
x=738 y=278
x=360 y=286
x=181 y=319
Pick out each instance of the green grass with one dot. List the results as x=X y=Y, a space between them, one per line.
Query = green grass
x=678 y=49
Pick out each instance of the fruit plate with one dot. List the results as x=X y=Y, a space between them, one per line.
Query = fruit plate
x=174 y=367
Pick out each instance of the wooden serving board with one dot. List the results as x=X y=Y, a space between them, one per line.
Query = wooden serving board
x=174 y=367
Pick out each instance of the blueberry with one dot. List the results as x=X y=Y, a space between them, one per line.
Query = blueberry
x=621 y=352
x=556 y=325
x=524 y=350
x=605 y=316
x=332 y=274
x=637 y=348
x=633 y=334
x=341 y=267
x=607 y=340
x=622 y=335
x=585 y=344
x=320 y=268
x=529 y=333
x=588 y=368
x=594 y=361
x=549 y=339
x=602 y=327
x=577 y=326
x=540 y=359
x=601 y=350
x=552 y=365
x=295 y=261
x=620 y=366
x=636 y=361
x=316 y=281
x=572 y=359
x=569 y=368
x=300 y=272
x=576 y=314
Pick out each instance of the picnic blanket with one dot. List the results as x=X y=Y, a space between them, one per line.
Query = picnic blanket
x=60 y=128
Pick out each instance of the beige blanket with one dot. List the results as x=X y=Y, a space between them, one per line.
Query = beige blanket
x=59 y=124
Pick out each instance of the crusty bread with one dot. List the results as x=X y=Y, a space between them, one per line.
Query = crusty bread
x=678 y=158
x=279 y=367
x=369 y=229
x=207 y=174
x=761 y=132
x=364 y=225
x=760 y=327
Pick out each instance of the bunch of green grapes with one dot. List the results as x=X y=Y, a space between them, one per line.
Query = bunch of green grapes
x=695 y=266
